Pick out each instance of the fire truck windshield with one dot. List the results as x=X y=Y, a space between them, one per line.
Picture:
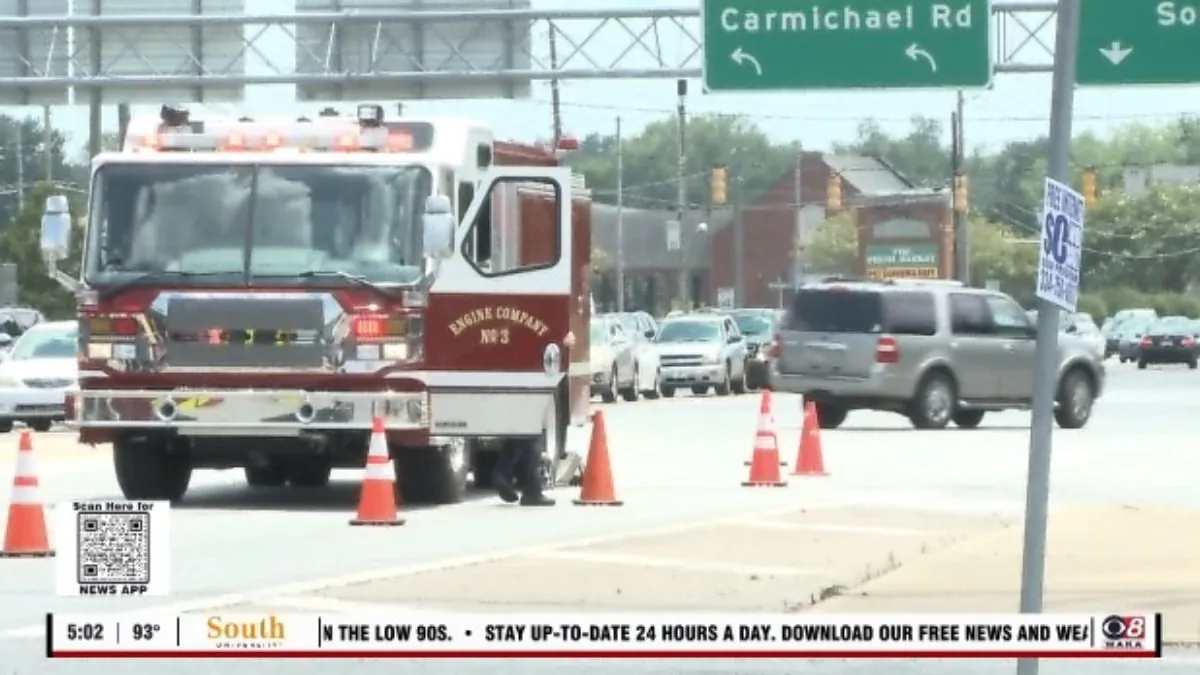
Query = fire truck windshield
x=238 y=223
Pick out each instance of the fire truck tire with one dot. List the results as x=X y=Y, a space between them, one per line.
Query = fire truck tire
x=151 y=470
x=435 y=474
x=309 y=474
x=271 y=475
x=483 y=465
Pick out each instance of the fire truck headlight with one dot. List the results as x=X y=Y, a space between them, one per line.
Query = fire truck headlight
x=367 y=352
x=99 y=351
x=395 y=352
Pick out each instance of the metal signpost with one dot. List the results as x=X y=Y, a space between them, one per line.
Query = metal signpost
x=1054 y=236
x=1138 y=42
x=771 y=45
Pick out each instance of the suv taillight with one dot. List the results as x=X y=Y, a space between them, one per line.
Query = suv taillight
x=1146 y=342
x=773 y=348
x=886 y=350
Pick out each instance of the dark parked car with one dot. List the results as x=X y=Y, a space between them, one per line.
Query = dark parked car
x=758 y=326
x=1168 y=340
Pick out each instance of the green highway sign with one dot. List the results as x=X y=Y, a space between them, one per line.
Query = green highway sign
x=1138 y=42
x=791 y=45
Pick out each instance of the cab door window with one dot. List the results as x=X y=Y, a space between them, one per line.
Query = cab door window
x=1008 y=317
x=516 y=229
x=970 y=316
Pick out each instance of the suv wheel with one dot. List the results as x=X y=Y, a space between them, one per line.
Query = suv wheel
x=934 y=403
x=1075 y=398
x=968 y=419
x=830 y=416
x=723 y=387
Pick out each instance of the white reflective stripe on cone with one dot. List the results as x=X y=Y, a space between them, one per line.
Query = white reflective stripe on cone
x=380 y=471
x=25 y=464
x=26 y=494
x=766 y=442
x=378 y=447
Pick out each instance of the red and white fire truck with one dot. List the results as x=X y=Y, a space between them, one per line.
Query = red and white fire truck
x=255 y=291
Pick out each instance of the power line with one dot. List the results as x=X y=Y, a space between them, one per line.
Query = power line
x=843 y=119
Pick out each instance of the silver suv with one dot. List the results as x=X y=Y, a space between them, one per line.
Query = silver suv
x=701 y=351
x=934 y=351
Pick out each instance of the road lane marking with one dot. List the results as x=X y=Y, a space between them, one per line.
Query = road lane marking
x=38 y=631
x=675 y=564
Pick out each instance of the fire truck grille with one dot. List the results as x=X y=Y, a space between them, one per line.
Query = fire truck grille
x=245 y=332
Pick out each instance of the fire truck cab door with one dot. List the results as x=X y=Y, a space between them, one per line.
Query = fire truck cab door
x=497 y=321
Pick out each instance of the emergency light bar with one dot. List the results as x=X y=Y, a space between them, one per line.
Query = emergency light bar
x=367 y=131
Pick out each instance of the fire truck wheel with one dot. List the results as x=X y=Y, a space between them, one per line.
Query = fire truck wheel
x=271 y=475
x=483 y=465
x=151 y=469
x=309 y=474
x=435 y=474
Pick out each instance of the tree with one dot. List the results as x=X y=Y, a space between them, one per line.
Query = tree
x=23 y=160
x=920 y=156
x=1000 y=253
x=650 y=161
x=1149 y=243
x=833 y=246
x=20 y=243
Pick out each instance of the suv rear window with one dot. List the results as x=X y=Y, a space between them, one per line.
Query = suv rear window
x=829 y=311
x=910 y=313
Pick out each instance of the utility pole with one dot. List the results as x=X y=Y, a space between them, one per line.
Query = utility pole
x=555 y=98
x=681 y=194
x=21 y=165
x=962 y=243
x=620 y=221
x=739 y=232
x=47 y=149
x=798 y=201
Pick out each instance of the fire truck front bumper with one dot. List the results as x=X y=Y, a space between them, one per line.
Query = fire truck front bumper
x=255 y=412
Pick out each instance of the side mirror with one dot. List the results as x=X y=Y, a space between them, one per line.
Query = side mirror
x=56 y=239
x=5 y=340
x=733 y=339
x=437 y=228
x=649 y=333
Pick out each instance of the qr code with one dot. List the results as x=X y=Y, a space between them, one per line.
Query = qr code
x=114 y=547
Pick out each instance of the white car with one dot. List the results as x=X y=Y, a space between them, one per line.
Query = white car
x=641 y=329
x=37 y=375
x=614 y=368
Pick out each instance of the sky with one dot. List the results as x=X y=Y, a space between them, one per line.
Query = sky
x=1015 y=107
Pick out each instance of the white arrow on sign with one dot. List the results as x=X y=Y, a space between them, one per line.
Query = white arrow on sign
x=915 y=52
x=1115 y=53
x=740 y=57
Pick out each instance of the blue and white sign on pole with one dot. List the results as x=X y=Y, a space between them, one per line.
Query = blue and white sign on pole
x=1062 y=245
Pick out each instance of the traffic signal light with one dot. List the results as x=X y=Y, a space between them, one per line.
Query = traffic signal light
x=833 y=193
x=962 y=190
x=718 y=185
x=1088 y=183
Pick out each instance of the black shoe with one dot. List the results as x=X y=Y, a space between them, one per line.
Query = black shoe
x=536 y=500
x=505 y=487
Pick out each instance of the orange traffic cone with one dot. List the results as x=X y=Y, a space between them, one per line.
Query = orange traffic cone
x=597 y=481
x=25 y=536
x=810 y=460
x=764 y=462
x=766 y=417
x=377 y=502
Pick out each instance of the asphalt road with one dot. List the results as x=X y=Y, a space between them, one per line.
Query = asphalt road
x=676 y=462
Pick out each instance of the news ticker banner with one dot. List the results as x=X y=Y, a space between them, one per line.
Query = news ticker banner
x=442 y=635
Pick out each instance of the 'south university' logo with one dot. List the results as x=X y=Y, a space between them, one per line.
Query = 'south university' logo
x=506 y=316
x=267 y=633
